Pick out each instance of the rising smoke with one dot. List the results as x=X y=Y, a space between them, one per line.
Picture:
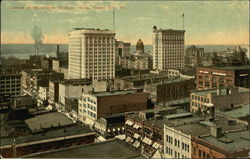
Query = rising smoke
x=37 y=36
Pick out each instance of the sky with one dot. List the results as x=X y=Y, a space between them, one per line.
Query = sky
x=206 y=22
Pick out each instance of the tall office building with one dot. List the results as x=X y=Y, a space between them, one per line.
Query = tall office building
x=168 y=49
x=91 y=54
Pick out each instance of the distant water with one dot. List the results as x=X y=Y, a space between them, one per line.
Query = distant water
x=24 y=50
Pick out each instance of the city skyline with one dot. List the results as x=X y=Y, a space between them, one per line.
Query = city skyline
x=133 y=20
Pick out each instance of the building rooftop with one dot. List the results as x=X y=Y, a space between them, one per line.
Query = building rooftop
x=174 y=102
x=147 y=76
x=169 y=31
x=107 y=149
x=37 y=71
x=63 y=132
x=91 y=31
x=168 y=81
x=48 y=120
x=238 y=112
x=231 y=68
x=111 y=93
x=231 y=141
x=76 y=81
x=223 y=91
x=204 y=126
x=183 y=118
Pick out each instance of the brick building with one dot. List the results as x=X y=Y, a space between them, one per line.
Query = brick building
x=48 y=140
x=167 y=90
x=202 y=101
x=232 y=144
x=94 y=105
x=145 y=129
x=216 y=77
x=204 y=139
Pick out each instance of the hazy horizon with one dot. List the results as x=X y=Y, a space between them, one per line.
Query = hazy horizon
x=206 y=22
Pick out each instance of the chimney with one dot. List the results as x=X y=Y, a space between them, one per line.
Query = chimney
x=57 y=51
x=234 y=90
x=216 y=131
x=14 y=148
x=218 y=91
x=139 y=74
x=211 y=112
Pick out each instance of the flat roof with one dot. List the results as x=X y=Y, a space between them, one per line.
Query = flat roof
x=194 y=129
x=48 y=120
x=223 y=91
x=238 y=112
x=204 y=126
x=237 y=140
x=62 y=132
x=168 y=81
x=111 y=93
x=169 y=30
x=175 y=102
x=76 y=81
x=177 y=121
x=179 y=115
x=230 y=68
x=107 y=149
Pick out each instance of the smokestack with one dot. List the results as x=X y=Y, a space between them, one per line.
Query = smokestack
x=57 y=51
x=37 y=36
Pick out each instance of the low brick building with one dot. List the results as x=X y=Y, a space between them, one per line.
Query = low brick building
x=222 y=98
x=145 y=129
x=216 y=77
x=230 y=144
x=94 y=105
x=47 y=140
x=167 y=90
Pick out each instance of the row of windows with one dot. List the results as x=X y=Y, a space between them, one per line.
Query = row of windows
x=91 y=114
x=11 y=94
x=198 y=105
x=9 y=90
x=89 y=106
x=176 y=154
x=184 y=146
x=200 y=98
x=10 y=78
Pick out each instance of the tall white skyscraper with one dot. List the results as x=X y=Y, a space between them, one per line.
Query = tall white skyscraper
x=91 y=54
x=168 y=49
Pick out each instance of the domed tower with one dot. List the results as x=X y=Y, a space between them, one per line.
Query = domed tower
x=139 y=46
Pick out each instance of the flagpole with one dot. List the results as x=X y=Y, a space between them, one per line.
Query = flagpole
x=113 y=20
x=183 y=21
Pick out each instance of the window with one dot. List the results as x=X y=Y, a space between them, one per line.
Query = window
x=207 y=84
x=199 y=153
